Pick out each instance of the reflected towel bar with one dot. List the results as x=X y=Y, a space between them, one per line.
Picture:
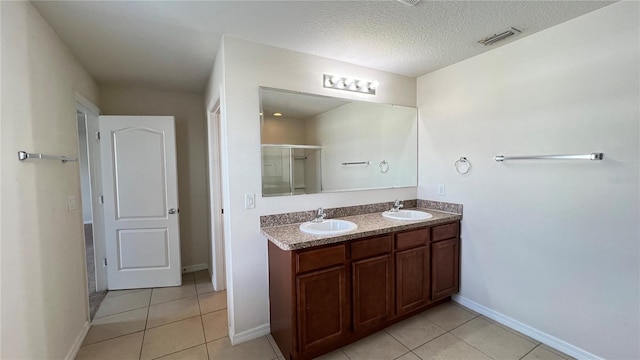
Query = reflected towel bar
x=592 y=156
x=23 y=155
x=356 y=163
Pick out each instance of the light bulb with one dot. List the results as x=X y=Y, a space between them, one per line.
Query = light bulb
x=374 y=85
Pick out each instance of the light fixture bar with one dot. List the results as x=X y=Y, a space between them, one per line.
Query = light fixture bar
x=349 y=84
x=497 y=37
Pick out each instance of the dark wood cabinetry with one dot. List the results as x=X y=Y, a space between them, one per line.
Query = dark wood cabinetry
x=372 y=273
x=323 y=307
x=325 y=297
x=445 y=260
x=445 y=268
x=412 y=279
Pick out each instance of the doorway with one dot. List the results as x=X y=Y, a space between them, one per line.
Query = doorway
x=90 y=189
x=216 y=211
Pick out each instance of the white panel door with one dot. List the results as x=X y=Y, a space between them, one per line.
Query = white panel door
x=140 y=201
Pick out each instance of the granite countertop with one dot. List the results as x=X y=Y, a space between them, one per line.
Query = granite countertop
x=290 y=237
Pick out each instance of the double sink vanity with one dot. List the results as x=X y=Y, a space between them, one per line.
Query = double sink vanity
x=334 y=281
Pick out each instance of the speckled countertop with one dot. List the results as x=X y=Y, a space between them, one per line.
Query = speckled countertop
x=290 y=237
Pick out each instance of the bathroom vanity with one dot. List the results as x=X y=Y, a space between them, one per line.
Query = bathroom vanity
x=328 y=291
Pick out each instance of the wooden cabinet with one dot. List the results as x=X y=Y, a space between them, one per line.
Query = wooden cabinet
x=445 y=260
x=326 y=297
x=323 y=307
x=372 y=272
x=412 y=279
x=445 y=268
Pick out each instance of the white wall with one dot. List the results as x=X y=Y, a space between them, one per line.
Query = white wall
x=552 y=244
x=247 y=66
x=44 y=286
x=279 y=130
x=190 y=115
x=359 y=132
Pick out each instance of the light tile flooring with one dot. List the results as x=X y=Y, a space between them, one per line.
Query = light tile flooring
x=190 y=322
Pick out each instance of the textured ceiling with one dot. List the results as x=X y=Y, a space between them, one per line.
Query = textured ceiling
x=171 y=45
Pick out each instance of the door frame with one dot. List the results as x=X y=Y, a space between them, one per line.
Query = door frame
x=216 y=222
x=92 y=114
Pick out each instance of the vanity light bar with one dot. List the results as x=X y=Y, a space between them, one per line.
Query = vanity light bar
x=350 y=84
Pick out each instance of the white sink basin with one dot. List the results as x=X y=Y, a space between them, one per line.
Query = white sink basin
x=407 y=215
x=328 y=227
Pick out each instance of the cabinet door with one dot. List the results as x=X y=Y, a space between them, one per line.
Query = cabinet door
x=412 y=279
x=445 y=268
x=323 y=307
x=372 y=291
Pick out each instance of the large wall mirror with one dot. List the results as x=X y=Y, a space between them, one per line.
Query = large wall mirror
x=313 y=143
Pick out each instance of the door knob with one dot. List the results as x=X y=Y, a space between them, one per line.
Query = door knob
x=173 y=211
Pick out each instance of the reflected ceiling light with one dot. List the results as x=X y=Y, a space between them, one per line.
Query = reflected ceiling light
x=350 y=84
x=277 y=114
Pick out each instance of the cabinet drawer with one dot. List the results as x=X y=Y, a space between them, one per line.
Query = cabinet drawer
x=320 y=258
x=446 y=231
x=371 y=247
x=411 y=239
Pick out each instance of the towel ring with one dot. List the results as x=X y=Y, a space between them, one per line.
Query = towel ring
x=384 y=166
x=462 y=165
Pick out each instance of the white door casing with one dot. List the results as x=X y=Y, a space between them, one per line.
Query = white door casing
x=93 y=147
x=90 y=113
x=215 y=201
x=140 y=185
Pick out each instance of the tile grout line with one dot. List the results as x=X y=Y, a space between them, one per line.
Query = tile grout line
x=345 y=354
x=454 y=335
x=172 y=322
x=175 y=352
x=204 y=334
x=132 y=292
x=463 y=323
x=120 y=312
x=528 y=352
x=179 y=298
x=394 y=338
x=396 y=358
x=144 y=334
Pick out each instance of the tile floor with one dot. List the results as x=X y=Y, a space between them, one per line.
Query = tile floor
x=190 y=322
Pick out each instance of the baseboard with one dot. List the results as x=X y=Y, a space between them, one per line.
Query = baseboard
x=250 y=334
x=79 y=340
x=534 y=333
x=194 y=268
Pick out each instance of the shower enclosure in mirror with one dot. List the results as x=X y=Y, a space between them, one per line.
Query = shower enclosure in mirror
x=290 y=170
x=313 y=143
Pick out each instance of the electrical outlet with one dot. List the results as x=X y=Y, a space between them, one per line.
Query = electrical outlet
x=249 y=201
x=441 y=189
x=72 y=204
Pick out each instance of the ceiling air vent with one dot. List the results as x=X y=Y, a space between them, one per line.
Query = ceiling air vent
x=409 y=2
x=497 y=37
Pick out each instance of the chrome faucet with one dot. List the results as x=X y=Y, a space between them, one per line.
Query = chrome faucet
x=320 y=215
x=397 y=205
